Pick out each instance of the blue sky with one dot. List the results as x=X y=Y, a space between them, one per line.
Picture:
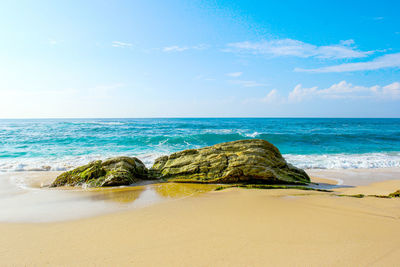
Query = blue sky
x=199 y=59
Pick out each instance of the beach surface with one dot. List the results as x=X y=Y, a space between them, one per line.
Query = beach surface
x=237 y=227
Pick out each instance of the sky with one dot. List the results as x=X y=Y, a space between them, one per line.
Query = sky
x=117 y=59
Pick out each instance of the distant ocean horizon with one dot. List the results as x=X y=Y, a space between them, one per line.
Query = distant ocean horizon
x=326 y=143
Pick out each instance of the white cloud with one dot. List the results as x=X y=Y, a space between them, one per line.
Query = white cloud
x=299 y=93
x=341 y=90
x=391 y=90
x=385 y=61
x=234 y=74
x=120 y=44
x=247 y=83
x=296 y=48
x=344 y=89
x=271 y=97
x=347 y=42
x=177 y=48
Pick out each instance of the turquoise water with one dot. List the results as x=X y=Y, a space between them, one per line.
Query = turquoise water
x=60 y=144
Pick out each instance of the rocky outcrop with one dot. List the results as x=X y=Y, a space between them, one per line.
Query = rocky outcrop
x=112 y=172
x=244 y=161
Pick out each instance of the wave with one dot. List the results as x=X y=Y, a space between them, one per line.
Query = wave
x=28 y=145
x=116 y=123
x=312 y=161
x=345 y=161
x=252 y=135
x=108 y=123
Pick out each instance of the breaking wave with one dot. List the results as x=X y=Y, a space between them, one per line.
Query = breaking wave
x=325 y=161
x=29 y=145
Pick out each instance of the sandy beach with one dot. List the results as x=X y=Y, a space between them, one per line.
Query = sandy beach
x=237 y=227
x=200 y=133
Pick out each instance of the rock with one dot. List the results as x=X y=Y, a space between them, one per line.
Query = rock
x=111 y=172
x=395 y=194
x=244 y=161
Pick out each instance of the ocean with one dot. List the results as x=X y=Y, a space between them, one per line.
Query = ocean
x=311 y=143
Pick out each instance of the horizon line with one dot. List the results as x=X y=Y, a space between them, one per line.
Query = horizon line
x=248 y=117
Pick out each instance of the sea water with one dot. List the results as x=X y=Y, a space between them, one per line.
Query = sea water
x=61 y=144
x=57 y=145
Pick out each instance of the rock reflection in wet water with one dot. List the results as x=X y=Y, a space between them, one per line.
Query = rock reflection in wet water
x=24 y=197
x=148 y=193
x=121 y=195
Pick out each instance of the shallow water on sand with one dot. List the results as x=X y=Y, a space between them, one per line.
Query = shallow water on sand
x=24 y=197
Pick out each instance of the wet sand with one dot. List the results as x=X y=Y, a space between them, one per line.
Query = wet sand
x=356 y=177
x=237 y=227
x=24 y=197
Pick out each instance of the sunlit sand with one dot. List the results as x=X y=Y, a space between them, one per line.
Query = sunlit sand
x=203 y=227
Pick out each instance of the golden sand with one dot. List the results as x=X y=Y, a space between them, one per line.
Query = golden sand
x=232 y=227
x=379 y=188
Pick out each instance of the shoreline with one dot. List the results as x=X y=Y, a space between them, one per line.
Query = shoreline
x=233 y=226
x=356 y=177
x=22 y=198
x=199 y=227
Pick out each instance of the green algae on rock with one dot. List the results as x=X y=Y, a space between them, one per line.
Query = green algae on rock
x=111 y=172
x=395 y=194
x=243 y=161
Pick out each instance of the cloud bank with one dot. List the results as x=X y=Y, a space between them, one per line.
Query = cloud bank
x=341 y=90
x=296 y=48
x=385 y=61
x=344 y=90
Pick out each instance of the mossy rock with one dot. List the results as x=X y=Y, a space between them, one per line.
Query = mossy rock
x=395 y=194
x=112 y=172
x=244 y=161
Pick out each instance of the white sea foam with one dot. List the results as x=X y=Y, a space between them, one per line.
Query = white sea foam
x=252 y=135
x=98 y=122
x=345 y=161
x=66 y=163
x=325 y=161
x=243 y=133
x=109 y=123
x=219 y=131
x=149 y=158
x=45 y=164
